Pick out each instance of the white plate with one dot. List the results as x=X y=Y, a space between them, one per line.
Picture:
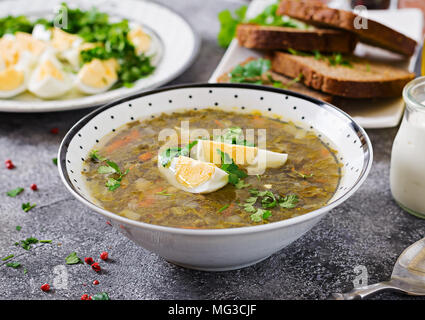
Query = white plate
x=179 y=43
x=371 y=113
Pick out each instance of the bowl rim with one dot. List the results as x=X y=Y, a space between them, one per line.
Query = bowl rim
x=361 y=133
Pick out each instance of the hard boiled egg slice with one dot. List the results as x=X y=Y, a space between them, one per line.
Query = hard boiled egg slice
x=194 y=176
x=48 y=79
x=97 y=76
x=14 y=78
x=140 y=40
x=255 y=160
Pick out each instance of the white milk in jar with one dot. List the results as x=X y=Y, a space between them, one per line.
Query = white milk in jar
x=407 y=176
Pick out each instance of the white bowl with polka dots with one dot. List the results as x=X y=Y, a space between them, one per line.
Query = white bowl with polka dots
x=219 y=249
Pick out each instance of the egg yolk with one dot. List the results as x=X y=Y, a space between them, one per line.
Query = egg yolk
x=140 y=40
x=62 y=40
x=241 y=155
x=9 y=52
x=26 y=42
x=10 y=79
x=48 y=69
x=99 y=73
x=190 y=173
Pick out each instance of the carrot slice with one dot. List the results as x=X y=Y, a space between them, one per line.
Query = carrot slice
x=133 y=135
x=146 y=156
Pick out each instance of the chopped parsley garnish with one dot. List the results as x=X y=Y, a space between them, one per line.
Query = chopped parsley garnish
x=55 y=161
x=95 y=156
x=72 y=258
x=267 y=200
x=26 y=244
x=223 y=208
x=229 y=166
x=101 y=296
x=27 y=206
x=168 y=155
x=14 y=265
x=241 y=184
x=18 y=228
x=13 y=193
x=109 y=167
x=336 y=59
x=229 y=22
x=8 y=257
x=251 y=72
x=289 y=201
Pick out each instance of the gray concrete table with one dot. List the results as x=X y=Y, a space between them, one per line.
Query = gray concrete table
x=365 y=234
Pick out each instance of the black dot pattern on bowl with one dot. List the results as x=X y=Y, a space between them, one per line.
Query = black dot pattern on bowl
x=95 y=128
x=170 y=101
x=79 y=135
x=302 y=118
x=130 y=105
x=216 y=103
x=243 y=108
x=112 y=117
x=68 y=161
x=97 y=141
x=131 y=118
x=270 y=109
x=82 y=159
x=81 y=147
x=150 y=104
x=195 y=108
x=113 y=130
x=190 y=97
x=295 y=108
x=286 y=98
x=209 y=91
x=236 y=96
x=261 y=98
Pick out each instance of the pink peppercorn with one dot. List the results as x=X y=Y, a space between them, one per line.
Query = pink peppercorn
x=45 y=287
x=96 y=267
x=33 y=187
x=85 y=297
x=96 y=282
x=104 y=255
x=88 y=260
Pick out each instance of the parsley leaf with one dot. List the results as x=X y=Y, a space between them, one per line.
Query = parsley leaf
x=250 y=72
x=260 y=215
x=168 y=155
x=14 y=265
x=233 y=135
x=95 y=156
x=223 y=208
x=55 y=161
x=241 y=184
x=269 y=18
x=27 y=206
x=26 y=244
x=13 y=193
x=289 y=201
x=72 y=258
x=228 y=24
x=8 y=257
x=229 y=166
x=101 y=296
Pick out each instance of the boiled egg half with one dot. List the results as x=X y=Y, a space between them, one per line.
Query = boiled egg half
x=49 y=80
x=194 y=176
x=97 y=76
x=253 y=159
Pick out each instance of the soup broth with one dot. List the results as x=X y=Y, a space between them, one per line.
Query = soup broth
x=304 y=183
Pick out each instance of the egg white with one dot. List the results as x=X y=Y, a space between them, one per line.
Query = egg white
x=24 y=66
x=49 y=87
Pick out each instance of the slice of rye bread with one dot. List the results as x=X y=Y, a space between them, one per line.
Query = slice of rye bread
x=376 y=34
x=292 y=86
x=364 y=79
x=280 y=38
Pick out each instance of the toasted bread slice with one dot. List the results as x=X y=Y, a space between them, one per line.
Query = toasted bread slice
x=376 y=34
x=281 y=38
x=290 y=84
x=360 y=79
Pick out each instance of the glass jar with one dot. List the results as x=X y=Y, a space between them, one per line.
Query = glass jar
x=407 y=174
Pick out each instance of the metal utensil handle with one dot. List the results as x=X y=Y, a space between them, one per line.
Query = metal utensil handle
x=362 y=292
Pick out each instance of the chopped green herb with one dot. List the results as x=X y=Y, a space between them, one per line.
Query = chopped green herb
x=55 y=161
x=45 y=241
x=250 y=72
x=95 y=156
x=101 y=296
x=241 y=184
x=18 y=228
x=223 y=208
x=302 y=175
x=299 y=53
x=14 y=265
x=168 y=155
x=8 y=257
x=26 y=244
x=233 y=135
x=27 y=206
x=260 y=215
x=229 y=166
x=269 y=18
x=13 y=193
x=72 y=258
x=228 y=24
x=25 y=271
x=289 y=201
